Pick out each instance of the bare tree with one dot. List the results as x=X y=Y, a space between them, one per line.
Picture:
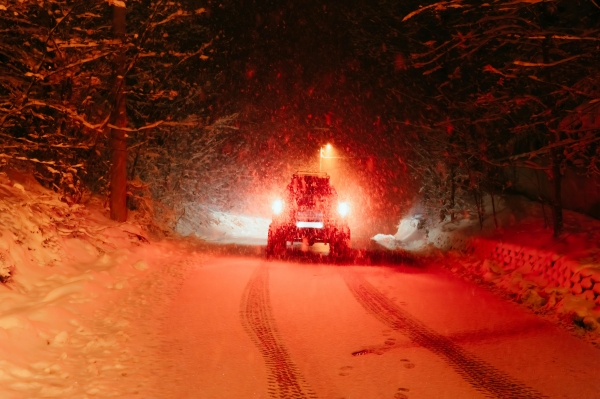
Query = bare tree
x=64 y=78
x=118 y=140
x=504 y=76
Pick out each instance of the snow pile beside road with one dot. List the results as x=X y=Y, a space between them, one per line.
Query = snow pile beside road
x=409 y=235
x=231 y=228
x=414 y=234
x=568 y=288
x=62 y=333
x=521 y=257
x=557 y=276
x=565 y=278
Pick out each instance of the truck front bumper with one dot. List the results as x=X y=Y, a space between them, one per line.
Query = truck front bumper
x=296 y=232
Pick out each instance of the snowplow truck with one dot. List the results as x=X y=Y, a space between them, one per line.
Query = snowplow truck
x=309 y=212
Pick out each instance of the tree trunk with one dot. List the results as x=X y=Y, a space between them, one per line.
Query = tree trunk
x=118 y=138
x=452 y=193
x=541 y=198
x=491 y=178
x=557 y=211
x=479 y=205
x=494 y=207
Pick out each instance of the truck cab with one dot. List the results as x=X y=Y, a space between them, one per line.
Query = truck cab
x=309 y=211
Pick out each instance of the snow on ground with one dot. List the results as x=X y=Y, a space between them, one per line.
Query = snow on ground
x=80 y=289
x=521 y=257
x=408 y=237
x=242 y=327
x=226 y=228
x=83 y=296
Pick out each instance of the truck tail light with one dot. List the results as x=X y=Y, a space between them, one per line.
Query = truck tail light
x=343 y=209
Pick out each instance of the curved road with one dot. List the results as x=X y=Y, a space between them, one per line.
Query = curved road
x=252 y=328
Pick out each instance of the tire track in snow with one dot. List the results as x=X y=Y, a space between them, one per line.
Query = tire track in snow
x=484 y=377
x=285 y=380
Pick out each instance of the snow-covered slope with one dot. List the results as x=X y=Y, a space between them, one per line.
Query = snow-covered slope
x=225 y=227
x=408 y=237
x=521 y=256
x=63 y=330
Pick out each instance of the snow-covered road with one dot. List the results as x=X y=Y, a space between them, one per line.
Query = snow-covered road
x=244 y=327
x=93 y=309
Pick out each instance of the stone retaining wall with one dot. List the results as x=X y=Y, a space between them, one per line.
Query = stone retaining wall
x=543 y=268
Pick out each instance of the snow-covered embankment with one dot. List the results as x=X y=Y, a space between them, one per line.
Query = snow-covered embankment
x=521 y=257
x=78 y=290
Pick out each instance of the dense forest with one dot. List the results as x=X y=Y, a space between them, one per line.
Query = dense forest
x=176 y=108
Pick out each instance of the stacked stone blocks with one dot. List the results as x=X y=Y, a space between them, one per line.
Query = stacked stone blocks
x=544 y=268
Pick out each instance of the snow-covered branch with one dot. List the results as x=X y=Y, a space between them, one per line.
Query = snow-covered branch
x=154 y=125
x=541 y=64
x=442 y=5
x=77 y=63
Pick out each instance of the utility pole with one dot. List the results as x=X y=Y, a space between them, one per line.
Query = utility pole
x=118 y=137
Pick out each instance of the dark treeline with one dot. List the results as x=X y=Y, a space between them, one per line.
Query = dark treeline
x=476 y=87
x=223 y=99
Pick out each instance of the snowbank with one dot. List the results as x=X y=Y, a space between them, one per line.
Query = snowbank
x=228 y=228
x=415 y=232
x=548 y=279
x=63 y=333
x=521 y=257
x=409 y=235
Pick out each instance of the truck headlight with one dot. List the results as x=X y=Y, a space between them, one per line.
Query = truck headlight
x=343 y=209
x=277 y=206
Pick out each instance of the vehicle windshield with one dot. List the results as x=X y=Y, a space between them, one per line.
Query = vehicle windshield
x=309 y=191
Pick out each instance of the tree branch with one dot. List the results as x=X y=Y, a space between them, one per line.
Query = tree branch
x=541 y=64
x=80 y=62
x=153 y=125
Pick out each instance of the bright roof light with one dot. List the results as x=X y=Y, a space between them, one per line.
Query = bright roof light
x=329 y=146
x=277 y=206
x=343 y=208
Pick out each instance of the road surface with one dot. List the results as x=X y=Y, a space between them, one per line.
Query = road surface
x=246 y=327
